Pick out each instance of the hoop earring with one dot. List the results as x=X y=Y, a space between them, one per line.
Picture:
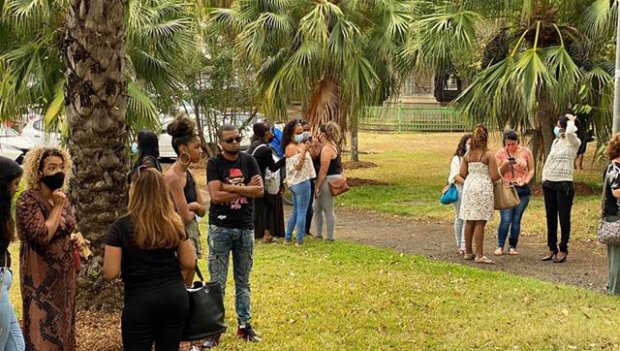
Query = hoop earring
x=185 y=161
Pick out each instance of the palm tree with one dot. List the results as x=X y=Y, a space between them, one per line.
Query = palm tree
x=336 y=57
x=86 y=69
x=544 y=57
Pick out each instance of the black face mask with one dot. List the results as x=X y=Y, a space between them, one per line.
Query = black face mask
x=55 y=181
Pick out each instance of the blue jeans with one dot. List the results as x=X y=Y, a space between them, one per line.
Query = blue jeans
x=459 y=224
x=511 y=219
x=11 y=338
x=301 y=200
x=223 y=241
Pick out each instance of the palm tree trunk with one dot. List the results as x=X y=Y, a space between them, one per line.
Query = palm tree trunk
x=96 y=102
x=355 y=157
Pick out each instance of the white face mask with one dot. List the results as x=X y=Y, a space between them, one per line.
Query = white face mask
x=298 y=138
x=467 y=147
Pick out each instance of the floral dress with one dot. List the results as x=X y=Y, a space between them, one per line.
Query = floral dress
x=477 y=201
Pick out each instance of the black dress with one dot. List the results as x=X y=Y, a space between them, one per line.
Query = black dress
x=269 y=210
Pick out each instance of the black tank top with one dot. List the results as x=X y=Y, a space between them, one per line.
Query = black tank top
x=190 y=189
x=335 y=165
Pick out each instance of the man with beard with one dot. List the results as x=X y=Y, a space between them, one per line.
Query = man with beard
x=232 y=178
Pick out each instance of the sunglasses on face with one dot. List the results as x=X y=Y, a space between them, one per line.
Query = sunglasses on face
x=230 y=140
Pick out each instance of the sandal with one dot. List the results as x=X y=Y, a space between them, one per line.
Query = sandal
x=484 y=260
x=499 y=252
x=469 y=256
x=461 y=252
x=513 y=252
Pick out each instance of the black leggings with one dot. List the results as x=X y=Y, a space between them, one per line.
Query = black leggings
x=558 y=202
x=154 y=316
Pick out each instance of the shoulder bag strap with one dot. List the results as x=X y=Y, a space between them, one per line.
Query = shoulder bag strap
x=258 y=147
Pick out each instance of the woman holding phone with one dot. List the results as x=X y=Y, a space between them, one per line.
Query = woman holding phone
x=516 y=166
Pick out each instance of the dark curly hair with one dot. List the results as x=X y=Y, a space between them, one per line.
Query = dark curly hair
x=287 y=133
x=183 y=131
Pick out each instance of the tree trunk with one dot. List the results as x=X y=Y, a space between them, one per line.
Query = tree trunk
x=96 y=102
x=354 y=140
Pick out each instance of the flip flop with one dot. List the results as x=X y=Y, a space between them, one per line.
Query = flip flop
x=469 y=257
x=484 y=260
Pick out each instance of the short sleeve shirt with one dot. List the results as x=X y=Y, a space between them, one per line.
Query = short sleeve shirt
x=521 y=169
x=140 y=268
x=236 y=214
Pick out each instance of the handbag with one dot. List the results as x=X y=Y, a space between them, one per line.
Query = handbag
x=338 y=186
x=271 y=179
x=608 y=231
x=206 y=312
x=450 y=194
x=505 y=196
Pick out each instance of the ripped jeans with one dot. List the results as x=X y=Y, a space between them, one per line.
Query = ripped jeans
x=223 y=241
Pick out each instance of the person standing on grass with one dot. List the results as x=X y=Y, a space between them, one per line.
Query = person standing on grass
x=149 y=247
x=517 y=168
x=330 y=169
x=611 y=210
x=45 y=220
x=180 y=179
x=268 y=218
x=455 y=178
x=479 y=169
x=315 y=161
x=11 y=338
x=299 y=172
x=558 y=189
x=233 y=178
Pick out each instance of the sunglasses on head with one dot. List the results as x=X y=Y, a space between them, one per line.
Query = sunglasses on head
x=231 y=139
x=136 y=175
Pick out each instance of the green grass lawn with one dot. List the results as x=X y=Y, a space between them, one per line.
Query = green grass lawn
x=415 y=167
x=344 y=296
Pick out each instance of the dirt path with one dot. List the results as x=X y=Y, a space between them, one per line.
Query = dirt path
x=586 y=265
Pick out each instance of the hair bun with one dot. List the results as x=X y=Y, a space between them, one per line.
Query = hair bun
x=181 y=126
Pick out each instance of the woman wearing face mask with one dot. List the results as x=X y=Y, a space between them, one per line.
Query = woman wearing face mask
x=330 y=169
x=45 y=221
x=299 y=172
x=11 y=338
x=147 y=149
x=268 y=218
x=557 y=183
x=180 y=179
x=455 y=178
x=516 y=165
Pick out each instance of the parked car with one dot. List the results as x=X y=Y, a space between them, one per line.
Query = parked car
x=10 y=139
x=13 y=154
x=35 y=129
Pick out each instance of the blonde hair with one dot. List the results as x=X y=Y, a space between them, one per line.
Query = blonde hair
x=33 y=164
x=332 y=131
x=156 y=222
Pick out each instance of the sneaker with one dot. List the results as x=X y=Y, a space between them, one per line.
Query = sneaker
x=247 y=333
x=211 y=343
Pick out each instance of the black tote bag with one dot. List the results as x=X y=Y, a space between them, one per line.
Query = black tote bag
x=206 y=312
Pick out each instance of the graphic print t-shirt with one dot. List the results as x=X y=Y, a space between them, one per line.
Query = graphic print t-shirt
x=236 y=214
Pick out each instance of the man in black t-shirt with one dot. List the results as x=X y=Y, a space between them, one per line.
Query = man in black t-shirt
x=232 y=178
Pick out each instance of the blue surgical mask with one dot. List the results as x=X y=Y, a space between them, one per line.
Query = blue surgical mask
x=134 y=148
x=557 y=131
x=298 y=138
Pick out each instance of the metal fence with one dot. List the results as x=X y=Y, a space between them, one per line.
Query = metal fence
x=412 y=119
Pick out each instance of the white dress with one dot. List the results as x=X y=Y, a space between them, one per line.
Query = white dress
x=477 y=200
